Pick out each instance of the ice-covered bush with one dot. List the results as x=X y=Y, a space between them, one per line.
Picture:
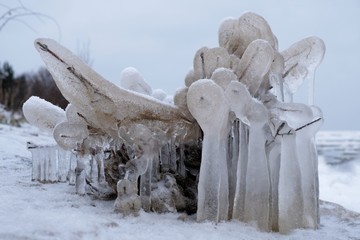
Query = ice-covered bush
x=232 y=145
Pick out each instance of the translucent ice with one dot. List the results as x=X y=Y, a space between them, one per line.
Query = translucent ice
x=208 y=105
x=257 y=195
x=236 y=34
x=207 y=60
x=301 y=60
x=254 y=64
x=290 y=189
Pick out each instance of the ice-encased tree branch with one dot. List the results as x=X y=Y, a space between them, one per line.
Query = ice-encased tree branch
x=208 y=105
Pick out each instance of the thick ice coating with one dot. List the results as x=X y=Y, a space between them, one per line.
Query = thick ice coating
x=254 y=64
x=236 y=34
x=43 y=114
x=301 y=60
x=131 y=79
x=230 y=144
x=104 y=104
x=70 y=135
x=207 y=60
x=256 y=204
x=208 y=105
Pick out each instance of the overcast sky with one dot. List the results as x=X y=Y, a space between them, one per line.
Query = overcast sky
x=160 y=38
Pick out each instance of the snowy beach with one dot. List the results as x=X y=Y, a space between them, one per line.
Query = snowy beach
x=31 y=210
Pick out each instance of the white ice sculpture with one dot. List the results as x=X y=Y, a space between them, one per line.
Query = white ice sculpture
x=43 y=114
x=301 y=118
x=230 y=144
x=254 y=64
x=207 y=103
x=257 y=193
x=131 y=79
x=301 y=60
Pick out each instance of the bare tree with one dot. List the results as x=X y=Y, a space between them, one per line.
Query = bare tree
x=19 y=14
x=83 y=52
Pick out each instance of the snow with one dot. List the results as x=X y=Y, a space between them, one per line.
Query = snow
x=132 y=79
x=31 y=210
x=42 y=113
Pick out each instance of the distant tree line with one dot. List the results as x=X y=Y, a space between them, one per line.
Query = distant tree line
x=15 y=90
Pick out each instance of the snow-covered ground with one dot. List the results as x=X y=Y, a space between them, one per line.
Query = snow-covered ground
x=31 y=210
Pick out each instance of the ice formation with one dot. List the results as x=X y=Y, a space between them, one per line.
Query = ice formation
x=230 y=145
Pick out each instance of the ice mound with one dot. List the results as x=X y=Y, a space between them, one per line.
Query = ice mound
x=233 y=145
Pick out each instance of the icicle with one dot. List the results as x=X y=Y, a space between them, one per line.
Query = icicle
x=290 y=191
x=73 y=163
x=93 y=176
x=274 y=154
x=53 y=164
x=36 y=168
x=257 y=190
x=80 y=174
x=257 y=193
x=181 y=161
x=63 y=164
x=99 y=158
x=35 y=154
x=306 y=145
x=233 y=152
x=145 y=187
x=44 y=165
x=173 y=165
x=165 y=158
x=239 y=200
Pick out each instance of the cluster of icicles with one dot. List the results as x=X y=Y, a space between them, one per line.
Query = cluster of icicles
x=258 y=157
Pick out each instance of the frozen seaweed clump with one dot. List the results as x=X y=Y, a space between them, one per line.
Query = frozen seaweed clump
x=230 y=144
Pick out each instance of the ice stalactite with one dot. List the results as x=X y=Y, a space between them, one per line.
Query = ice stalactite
x=207 y=103
x=291 y=201
x=239 y=198
x=142 y=165
x=80 y=172
x=63 y=164
x=52 y=164
x=257 y=192
x=73 y=162
x=304 y=124
x=273 y=152
x=306 y=146
x=233 y=157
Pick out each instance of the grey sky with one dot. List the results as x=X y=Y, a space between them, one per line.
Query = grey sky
x=160 y=38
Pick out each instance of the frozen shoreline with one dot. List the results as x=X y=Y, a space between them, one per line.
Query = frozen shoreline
x=31 y=210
